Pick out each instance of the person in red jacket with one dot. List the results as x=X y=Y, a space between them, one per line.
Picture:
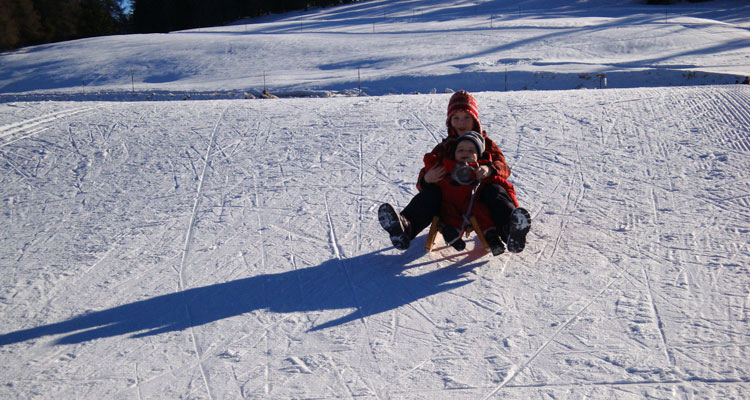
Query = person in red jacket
x=512 y=222
x=458 y=186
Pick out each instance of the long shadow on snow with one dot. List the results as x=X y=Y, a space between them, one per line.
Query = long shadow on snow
x=370 y=284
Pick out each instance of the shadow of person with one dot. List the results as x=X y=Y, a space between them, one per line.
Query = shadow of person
x=369 y=284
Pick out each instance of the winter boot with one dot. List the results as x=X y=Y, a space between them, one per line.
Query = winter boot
x=493 y=240
x=452 y=236
x=396 y=225
x=520 y=223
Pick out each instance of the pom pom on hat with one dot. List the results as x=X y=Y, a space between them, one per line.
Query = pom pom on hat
x=463 y=101
x=475 y=138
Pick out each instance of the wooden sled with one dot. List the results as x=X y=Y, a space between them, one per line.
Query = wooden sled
x=432 y=234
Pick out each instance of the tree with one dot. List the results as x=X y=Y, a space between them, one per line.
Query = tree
x=19 y=23
x=98 y=17
x=170 y=15
x=28 y=22
x=59 y=19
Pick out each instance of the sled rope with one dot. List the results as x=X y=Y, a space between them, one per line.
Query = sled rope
x=466 y=216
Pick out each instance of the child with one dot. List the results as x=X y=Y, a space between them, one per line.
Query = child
x=458 y=191
x=512 y=222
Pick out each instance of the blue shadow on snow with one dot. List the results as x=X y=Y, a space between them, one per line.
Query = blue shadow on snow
x=370 y=284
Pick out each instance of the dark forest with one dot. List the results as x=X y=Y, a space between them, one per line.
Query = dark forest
x=31 y=22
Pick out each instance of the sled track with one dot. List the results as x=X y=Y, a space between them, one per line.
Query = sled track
x=14 y=132
x=547 y=342
x=735 y=112
x=186 y=251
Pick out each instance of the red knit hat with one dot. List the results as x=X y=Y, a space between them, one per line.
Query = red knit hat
x=463 y=101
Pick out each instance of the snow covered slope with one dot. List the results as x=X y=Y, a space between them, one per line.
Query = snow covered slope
x=230 y=249
x=385 y=46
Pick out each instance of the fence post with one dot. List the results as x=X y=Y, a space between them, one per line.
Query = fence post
x=602 y=80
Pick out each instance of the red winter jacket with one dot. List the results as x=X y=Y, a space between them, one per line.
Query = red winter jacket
x=496 y=156
x=456 y=198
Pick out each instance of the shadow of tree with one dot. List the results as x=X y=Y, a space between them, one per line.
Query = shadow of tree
x=370 y=284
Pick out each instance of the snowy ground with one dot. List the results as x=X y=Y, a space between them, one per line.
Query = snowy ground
x=134 y=268
x=230 y=248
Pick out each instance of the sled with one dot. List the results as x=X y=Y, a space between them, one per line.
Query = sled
x=432 y=234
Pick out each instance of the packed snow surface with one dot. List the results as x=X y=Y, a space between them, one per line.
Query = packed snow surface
x=227 y=249
x=230 y=248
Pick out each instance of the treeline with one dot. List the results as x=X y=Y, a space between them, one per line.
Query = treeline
x=28 y=22
x=663 y=2
x=171 y=15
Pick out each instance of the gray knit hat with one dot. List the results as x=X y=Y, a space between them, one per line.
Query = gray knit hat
x=476 y=138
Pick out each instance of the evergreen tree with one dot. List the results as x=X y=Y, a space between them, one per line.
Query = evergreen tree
x=170 y=15
x=19 y=23
x=100 y=17
x=59 y=19
x=26 y=22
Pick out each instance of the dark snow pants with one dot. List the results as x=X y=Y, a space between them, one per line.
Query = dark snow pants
x=422 y=207
x=500 y=206
x=426 y=204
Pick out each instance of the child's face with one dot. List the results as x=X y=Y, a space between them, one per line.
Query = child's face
x=466 y=151
x=462 y=122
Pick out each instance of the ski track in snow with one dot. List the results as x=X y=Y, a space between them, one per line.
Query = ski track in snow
x=186 y=252
x=33 y=126
x=634 y=282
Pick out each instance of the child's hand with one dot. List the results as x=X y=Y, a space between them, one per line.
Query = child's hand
x=483 y=172
x=435 y=174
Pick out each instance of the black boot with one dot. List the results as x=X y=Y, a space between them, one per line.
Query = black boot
x=396 y=225
x=452 y=236
x=520 y=223
x=493 y=239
